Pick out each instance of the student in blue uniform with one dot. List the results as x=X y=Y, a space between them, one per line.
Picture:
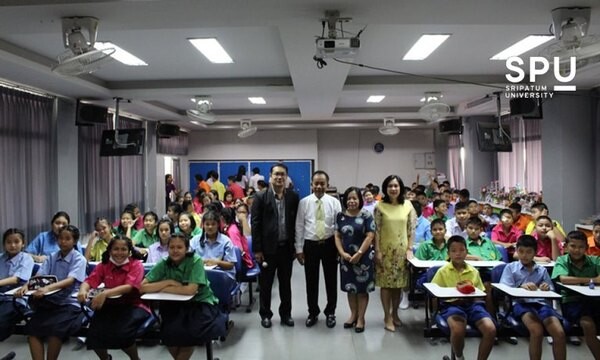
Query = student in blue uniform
x=46 y=242
x=215 y=248
x=191 y=323
x=56 y=315
x=15 y=269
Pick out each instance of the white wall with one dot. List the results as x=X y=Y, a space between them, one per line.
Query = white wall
x=349 y=159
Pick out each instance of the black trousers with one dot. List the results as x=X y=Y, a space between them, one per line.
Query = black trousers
x=281 y=263
x=315 y=253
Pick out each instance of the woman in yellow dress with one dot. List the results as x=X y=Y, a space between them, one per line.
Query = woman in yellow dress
x=395 y=219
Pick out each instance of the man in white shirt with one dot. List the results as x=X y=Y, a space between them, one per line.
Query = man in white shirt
x=315 y=226
x=256 y=176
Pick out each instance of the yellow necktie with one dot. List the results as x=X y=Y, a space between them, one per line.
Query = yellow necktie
x=320 y=220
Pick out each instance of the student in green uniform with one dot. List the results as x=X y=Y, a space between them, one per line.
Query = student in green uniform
x=577 y=268
x=191 y=323
x=434 y=249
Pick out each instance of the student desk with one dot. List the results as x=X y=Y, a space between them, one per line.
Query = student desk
x=583 y=289
x=12 y=292
x=436 y=291
x=524 y=293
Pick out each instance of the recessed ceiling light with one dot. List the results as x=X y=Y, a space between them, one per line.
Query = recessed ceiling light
x=522 y=46
x=120 y=54
x=257 y=100
x=426 y=44
x=213 y=50
x=375 y=98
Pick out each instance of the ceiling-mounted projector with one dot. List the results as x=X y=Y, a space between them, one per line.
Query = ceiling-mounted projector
x=337 y=48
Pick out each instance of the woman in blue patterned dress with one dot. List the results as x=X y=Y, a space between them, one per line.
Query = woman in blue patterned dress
x=355 y=230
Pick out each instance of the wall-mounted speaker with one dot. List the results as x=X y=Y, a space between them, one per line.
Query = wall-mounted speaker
x=88 y=114
x=526 y=108
x=167 y=130
x=451 y=126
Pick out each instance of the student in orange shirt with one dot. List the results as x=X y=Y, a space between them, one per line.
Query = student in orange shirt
x=521 y=221
x=594 y=240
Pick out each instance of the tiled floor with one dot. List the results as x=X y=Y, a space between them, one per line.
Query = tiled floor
x=249 y=341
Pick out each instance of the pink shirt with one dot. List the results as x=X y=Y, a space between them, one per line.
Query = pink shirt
x=112 y=276
x=427 y=211
x=240 y=242
x=511 y=237
x=238 y=192
x=544 y=247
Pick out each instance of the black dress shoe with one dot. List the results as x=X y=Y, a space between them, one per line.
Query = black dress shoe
x=311 y=320
x=266 y=323
x=359 y=329
x=330 y=321
x=287 y=321
x=349 y=325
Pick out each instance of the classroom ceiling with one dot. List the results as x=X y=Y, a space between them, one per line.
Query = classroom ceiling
x=272 y=43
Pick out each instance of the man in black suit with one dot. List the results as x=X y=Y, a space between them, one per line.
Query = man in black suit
x=273 y=232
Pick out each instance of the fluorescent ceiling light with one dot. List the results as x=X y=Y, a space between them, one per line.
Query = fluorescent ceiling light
x=120 y=54
x=257 y=100
x=375 y=98
x=522 y=46
x=213 y=50
x=195 y=122
x=426 y=44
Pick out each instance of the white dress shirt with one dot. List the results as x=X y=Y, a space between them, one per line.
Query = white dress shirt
x=306 y=219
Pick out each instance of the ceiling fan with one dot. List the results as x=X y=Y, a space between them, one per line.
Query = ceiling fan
x=570 y=25
x=247 y=129
x=201 y=112
x=433 y=108
x=389 y=127
x=81 y=56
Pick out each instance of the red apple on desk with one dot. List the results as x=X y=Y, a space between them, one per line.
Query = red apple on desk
x=465 y=287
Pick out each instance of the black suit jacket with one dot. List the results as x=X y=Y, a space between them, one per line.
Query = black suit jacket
x=265 y=225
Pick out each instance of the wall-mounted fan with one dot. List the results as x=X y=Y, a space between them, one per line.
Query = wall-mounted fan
x=433 y=108
x=247 y=129
x=571 y=30
x=202 y=111
x=81 y=56
x=389 y=127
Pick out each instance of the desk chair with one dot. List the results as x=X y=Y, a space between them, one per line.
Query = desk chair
x=249 y=275
x=221 y=285
x=504 y=253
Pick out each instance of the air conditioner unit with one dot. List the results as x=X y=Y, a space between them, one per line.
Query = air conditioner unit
x=483 y=106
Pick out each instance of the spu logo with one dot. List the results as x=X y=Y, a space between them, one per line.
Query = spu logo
x=563 y=72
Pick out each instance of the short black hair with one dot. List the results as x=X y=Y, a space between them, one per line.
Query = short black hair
x=437 y=221
x=358 y=195
x=279 y=164
x=320 y=172
x=543 y=217
x=469 y=202
x=527 y=241
x=505 y=212
x=475 y=221
x=456 y=239
x=576 y=235
x=438 y=202
x=464 y=193
x=539 y=206
x=515 y=206
x=461 y=205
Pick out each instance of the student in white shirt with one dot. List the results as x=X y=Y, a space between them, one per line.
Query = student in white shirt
x=315 y=227
x=256 y=176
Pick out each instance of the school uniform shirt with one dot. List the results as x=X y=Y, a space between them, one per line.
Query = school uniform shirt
x=254 y=180
x=143 y=239
x=45 y=243
x=544 y=246
x=98 y=249
x=190 y=270
x=240 y=241
x=221 y=249
x=72 y=265
x=306 y=219
x=453 y=228
x=531 y=227
x=430 y=251
x=422 y=231
x=157 y=252
x=486 y=249
x=498 y=234
x=492 y=220
x=515 y=274
x=427 y=212
x=220 y=188
x=522 y=222
x=112 y=276
x=593 y=249
x=449 y=276
x=19 y=265
x=434 y=216
x=120 y=231
x=237 y=191
x=564 y=266
x=370 y=208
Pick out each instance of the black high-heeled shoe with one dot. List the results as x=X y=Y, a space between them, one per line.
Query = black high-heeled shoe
x=349 y=325
x=359 y=329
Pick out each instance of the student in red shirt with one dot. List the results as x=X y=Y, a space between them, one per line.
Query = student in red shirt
x=236 y=190
x=505 y=233
x=549 y=245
